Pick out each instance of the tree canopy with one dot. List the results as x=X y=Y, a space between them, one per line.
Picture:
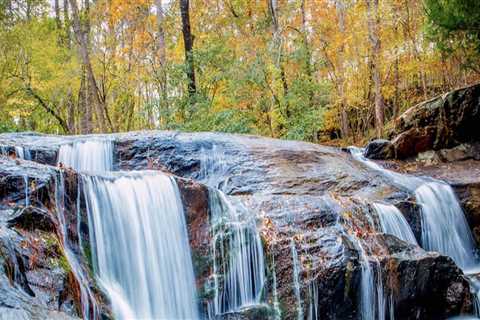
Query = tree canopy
x=297 y=69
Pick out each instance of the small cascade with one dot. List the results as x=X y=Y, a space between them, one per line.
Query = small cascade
x=444 y=227
x=92 y=155
x=393 y=222
x=372 y=298
x=296 y=280
x=313 y=312
x=214 y=168
x=276 y=302
x=89 y=308
x=23 y=153
x=238 y=254
x=140 y=245
x=27 y=196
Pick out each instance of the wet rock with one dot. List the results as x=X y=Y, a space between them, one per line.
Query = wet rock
x=36 y=280
x=379 y=149
x=305 y=198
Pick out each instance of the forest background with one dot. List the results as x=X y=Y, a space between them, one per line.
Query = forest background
x=335 y=71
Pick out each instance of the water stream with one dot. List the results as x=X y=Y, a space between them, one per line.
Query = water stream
x=393 y=222
x=444 y=226
x=138 y=236
x=140 y=245
x=238 y=254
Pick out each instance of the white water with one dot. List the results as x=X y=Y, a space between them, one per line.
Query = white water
x=296 y=280
x=23 y=153
x=444 y=227
x=372 y=298
x=27 y=197
x=393 y=222
x=237 y=244
x=313 y=312
x=140 y=249
x=92 y=155
x=140 y=246
x=89 y=307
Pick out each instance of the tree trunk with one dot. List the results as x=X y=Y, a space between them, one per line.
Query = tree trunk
x=66 y=24
x=373 y=34
x=162 y=59
x=58 y=20
x=82 y=37
x=344 y=126
x=277 y=44
x=188 y=42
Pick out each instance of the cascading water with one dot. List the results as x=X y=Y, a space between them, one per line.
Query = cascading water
x=89 y=307
x=393 y=222
x=140 y=245
x=444 y=227
x=313 y=312
x=138 y=236
x=372 y=298
x=91 y=155
x=23 y=153
x=238 y=254
x=296 y=280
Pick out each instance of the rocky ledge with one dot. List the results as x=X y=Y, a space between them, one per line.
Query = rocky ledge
x=311 y=204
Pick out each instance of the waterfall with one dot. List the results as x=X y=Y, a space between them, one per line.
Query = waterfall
x=393 y=222
x=140 y=245
x=138 y=236
x=89 y=308
x=27 y=197
x=313 y=312
x=23 y=153
x=238 y=256
x=372 y=297
x=296 y=280
x=92 y=155
x=444 y=227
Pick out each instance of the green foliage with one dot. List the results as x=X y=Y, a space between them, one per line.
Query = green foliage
x=455 y=26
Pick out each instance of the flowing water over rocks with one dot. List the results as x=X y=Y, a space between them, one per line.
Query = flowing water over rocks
x=140 y=246
x=246 y=202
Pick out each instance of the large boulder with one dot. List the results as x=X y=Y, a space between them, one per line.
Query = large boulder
x=440 y=123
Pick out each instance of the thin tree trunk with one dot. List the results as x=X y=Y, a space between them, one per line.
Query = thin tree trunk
x=188 y=42
x=162 y=58
x=396 y=71
x=58 y=20
x=373 y=33
x=344 y=127
x=82 y=37
x=277 y=43
x=66 y=23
